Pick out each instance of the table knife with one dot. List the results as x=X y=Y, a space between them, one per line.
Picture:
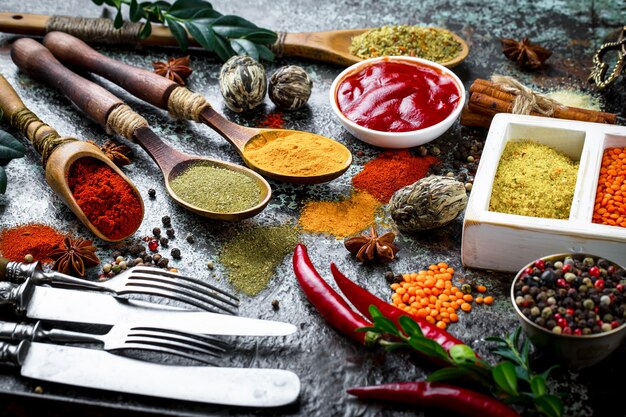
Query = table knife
x=247 y=387
x=79 y=306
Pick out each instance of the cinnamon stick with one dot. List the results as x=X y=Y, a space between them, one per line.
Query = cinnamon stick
x=473 y=119
x=492 y=89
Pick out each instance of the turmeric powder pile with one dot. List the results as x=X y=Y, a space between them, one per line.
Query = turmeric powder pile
x=298 y=154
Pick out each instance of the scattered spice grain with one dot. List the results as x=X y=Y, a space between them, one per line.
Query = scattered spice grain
x=390 y=171
x=534 y=180
x=423 y=42
x=36 y=240
x=610 y=207
x=216 y=189
x=340 y=218
x=251 y=256
x=273 y=120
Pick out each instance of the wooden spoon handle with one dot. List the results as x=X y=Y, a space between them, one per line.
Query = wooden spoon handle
x=141 y=83
x=33 y=58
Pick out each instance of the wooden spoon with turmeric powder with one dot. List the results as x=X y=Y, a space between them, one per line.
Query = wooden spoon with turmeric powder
x=58 y=155
x=282 y=155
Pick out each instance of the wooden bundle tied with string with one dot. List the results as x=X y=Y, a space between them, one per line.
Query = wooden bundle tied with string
x=507 y=95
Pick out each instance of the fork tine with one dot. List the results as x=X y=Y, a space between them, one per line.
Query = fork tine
x=172 y=344
x=174 y=335
x=162 y=272
x=161 y=349
x=181 y=284
x=151 y=289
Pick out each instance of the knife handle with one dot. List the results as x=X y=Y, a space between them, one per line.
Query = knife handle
x=14 y=354
x=141 y=83
x=17 y=295
x=18 y=331
x=33 y=58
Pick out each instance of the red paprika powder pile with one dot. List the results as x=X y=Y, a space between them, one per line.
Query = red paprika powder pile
x=390 y=171
x=107 y=200
x=38 y=240
x=273 y=121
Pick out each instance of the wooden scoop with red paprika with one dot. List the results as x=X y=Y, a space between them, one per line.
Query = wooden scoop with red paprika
x=59 y=154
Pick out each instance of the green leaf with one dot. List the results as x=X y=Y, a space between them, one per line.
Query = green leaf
x=265 y=53
x=98 y=2
x=262 y=36
x=146 y=30
x=119 y=20
x=223 y=48
x=374 y=311
x=462 y=354
x=3 y=181
x=549 y=405
x=410 y=327
x=547 y=371
x=447 y=374
x=233 y=26
x=369 y=329
x=7 y=140
x=245 y=47
x=179 y=33
x=538 y=385
x=186 y=9
x=136 y=13
x=391 y=346
x=201 y=31
x=386 y=325
x=506 y=354
x=515 y=336
x=429 y=348
x=525 y=351
x=504 y=375
x=522 y=373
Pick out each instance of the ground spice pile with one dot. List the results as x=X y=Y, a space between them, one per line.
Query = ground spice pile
x=299 y=154
x=609 y=207
x=534 y=180
x=423 y=42
x=340 y=218
x=106 y=199
x=38 y=240
x=216 y=189
x=251 y=256
x=390 y=171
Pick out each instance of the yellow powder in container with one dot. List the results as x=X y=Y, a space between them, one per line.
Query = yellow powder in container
x=340 y=218
x=297 y=154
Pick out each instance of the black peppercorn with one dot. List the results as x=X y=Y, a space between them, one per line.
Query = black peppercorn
x=389 y=277
x=170 y=233
x=152 y=193
x=163 y=262
x=190 y=239
x=156 y=258
x=166 y=221
x=156 y=232
x=275 y=305
x=136 y=249
x=164 y=241
x=175 y=253
x=147 y=259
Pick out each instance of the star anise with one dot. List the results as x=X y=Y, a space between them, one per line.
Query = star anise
x=372 y=247
x=73 y=255
x=119 y=154
x=176 y=69
x=525 y=53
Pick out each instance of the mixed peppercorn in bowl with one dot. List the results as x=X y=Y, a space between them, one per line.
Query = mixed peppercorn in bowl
x=572 y=306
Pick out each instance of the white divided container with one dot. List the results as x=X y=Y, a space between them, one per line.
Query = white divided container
x=507 y=242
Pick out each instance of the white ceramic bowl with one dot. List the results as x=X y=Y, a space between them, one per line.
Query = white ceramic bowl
x=396 y=139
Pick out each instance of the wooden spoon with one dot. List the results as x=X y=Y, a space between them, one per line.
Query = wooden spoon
x=62 y=157
x=156 y=90
x=331 y=46
x=99 y=104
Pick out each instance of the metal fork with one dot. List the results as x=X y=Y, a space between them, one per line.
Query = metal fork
x=136 y=280
x=119 y=337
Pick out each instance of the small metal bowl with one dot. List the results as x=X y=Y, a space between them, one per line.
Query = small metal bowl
x=572 y=350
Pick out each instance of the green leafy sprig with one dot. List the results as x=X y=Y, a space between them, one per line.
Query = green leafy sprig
x=510 y=380
x=10 y=148
x=224 y=35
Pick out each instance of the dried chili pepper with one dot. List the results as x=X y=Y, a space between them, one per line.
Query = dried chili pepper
x=362 y=299
x=437 y=395
x=326 y=300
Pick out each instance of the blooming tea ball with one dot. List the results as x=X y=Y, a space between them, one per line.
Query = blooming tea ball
x=428 y=203
x=242 y=83
x=290 y=87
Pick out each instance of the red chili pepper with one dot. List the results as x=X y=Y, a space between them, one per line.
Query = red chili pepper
x=437 y=395
x=362 y=299
x=326 y=300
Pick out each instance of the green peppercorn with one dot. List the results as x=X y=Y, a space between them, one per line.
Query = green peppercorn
x=116 y=269
x=466 y=289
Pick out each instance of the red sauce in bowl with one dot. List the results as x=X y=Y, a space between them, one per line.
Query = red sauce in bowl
x=392 y=96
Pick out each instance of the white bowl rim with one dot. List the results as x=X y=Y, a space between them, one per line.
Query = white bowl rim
x=543 y=329
x=370 y=61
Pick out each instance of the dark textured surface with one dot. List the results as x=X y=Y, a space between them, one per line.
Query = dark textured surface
x=326 y=362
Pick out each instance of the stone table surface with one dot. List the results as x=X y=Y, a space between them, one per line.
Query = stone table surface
x=326 y=361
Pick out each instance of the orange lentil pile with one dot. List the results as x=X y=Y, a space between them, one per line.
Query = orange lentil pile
x=610 y=207
x=430 y=295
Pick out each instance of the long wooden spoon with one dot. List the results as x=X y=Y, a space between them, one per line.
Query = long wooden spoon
x=61 y=157
x=157 y=91
x=104 y=107
x=331 y=46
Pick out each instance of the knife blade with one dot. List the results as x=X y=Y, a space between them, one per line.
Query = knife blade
x=79 y=306
x=248 y=387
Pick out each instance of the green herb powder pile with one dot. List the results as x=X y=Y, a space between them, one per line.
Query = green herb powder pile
x=251 y=256
x=418 y=41
x=534 y=180
x=216 y=189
